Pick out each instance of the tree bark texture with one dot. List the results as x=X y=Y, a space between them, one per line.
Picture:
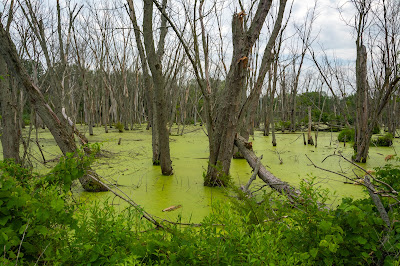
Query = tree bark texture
x=9 y=114
x=362 y=134
x=310 y=139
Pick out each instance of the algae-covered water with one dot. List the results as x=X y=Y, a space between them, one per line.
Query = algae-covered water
x=130 y=166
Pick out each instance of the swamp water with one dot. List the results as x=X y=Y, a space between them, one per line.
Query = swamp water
x=129 y=165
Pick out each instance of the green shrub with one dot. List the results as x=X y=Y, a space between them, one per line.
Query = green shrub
x=284 y=125
x=383 y=141
x=37 y=211
x=347 y=133
x=119 y=126
x=390 y=173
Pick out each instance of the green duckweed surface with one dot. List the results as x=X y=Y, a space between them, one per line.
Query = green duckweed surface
x=129 y=165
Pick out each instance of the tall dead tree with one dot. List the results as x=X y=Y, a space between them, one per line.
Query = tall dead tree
x=154 y=61
x=147 y=84
x=372 y=99
x=222 y=113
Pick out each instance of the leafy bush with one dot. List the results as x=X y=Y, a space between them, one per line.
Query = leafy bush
x=383 y=141
x=390 y=173
x=284 y=125
x=347 y=133
x=36 y=211
x=119 y=126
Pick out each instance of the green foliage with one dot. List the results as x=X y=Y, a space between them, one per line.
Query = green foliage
x=105 y=236
x=284 y=125
x=376 y=129
x=347 y=133
x=26 y=117
x=39 y=218
x=384 y=141
x=390 y=173
x=119 y=126
x=36 y=213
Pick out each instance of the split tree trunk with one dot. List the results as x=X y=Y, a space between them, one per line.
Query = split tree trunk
x=222 y=134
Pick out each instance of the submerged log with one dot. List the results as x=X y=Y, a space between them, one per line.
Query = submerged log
x=172 y=208
x=264 y=174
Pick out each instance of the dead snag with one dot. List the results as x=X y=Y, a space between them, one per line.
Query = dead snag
x=264 y=174
x=253 y=176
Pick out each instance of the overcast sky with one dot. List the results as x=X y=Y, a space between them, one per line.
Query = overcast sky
x=333 y=33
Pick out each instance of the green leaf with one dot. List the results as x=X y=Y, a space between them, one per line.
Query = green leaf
x=333 y=247
x=57 y=204
x=361 y=240
x=314 y=252
x=3 y=220
x=5 y=236
x=325 y=226
x=42 y=229
x=323 y=243
x=365 y=254
x=75 y=172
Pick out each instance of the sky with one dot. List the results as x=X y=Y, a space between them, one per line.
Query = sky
x=330 y=26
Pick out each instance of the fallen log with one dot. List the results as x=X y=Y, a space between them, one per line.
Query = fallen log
x=266 y=176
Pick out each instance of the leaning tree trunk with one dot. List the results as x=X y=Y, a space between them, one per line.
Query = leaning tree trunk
x=9 y=108
x=274 y=182
x=362 y=134
x=64 y=140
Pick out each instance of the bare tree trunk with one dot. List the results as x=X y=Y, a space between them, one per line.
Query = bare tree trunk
x=310 y=139
x=148 y=87
x=362 y=135
x=225 y=128
x=9 y=108
x=154 y=61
